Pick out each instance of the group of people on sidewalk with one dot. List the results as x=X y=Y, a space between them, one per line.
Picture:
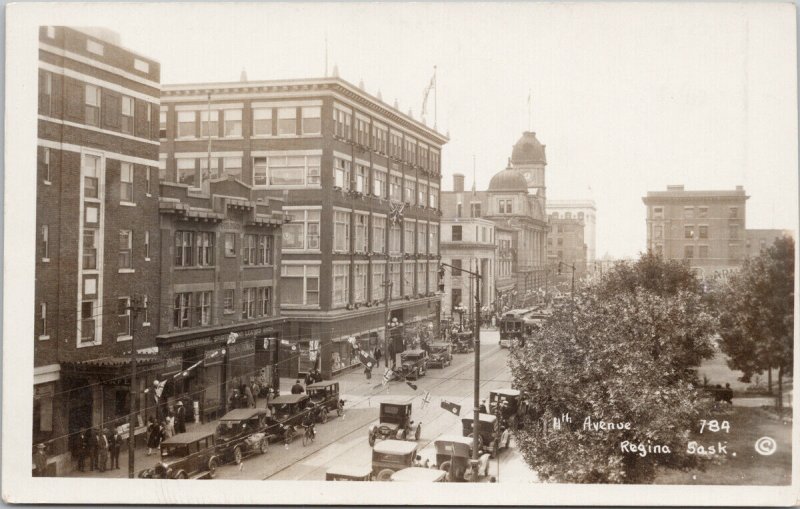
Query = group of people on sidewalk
x=174 y=422
x=98 y=449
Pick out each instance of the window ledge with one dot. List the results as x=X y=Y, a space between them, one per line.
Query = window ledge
x=127 y=204
x=300 y=251
x=84 y=344
x=226 y=312
x=45 y=260
x=145 y=324
x=126 y=337
x=46 y=182
x=44 y=337
x=147 y=259
x=148 y=195
x=126 y=271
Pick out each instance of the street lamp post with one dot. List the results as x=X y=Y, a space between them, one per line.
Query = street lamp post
x=572 y=291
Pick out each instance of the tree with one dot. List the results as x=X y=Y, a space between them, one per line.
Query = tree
x=757 y=318
x=620 y=357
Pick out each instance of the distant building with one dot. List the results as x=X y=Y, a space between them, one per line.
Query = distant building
x=98 y=249
x=758 y=240
x=705 y=228
x=584 y=210
x=565 y=244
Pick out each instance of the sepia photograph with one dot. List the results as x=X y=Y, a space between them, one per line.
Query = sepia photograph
x=538 y=253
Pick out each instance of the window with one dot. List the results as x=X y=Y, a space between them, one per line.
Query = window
x=408 y=186
x=688 y=231
x=341 y=290
x=434 y=161
x=362 y=233
x=433 y=277
x=89 y=249
x=394 y=238
x=456 y=263
x=184 y=244
x=733 y=212
x=408 y=238
x=287 y=170
x=408 y=279
x=341 y=173
x=141 y=65
x=455 y=298
x=703 y=233
x=378 y=234
x=233 y=122
x=300 y=285
x=379 y=135
x=433 y=238
x=249 y=250
x=504 y=206
x=123 y=317
x=688 y=212
x=395 y=191
x=702 y=212
x=396 y=145
x=342 y=121
x=458 y=209
x=549 y=241
x=126 y=182
x=181 y=312
x=87 y=331
x=205 y=173
x=205 y=249
x=264 y=301
x=378 y=281
x=312 y=120
x=422 y=238
x=162 y=168
x=362 y=132
x=688 y=252
x=232 y=167
x=230 y=244
x=658 y=232
x=162 y=124
x=702 y=252
x=341 y=231
x=92 y=107
x=203 y=308
x=658 y=213
x=475 y=209
x=209 y=123
x=248 y=303
x=411 y=151
x=229 y=301
x=394 y=275
x=94 y=47
x=147 y=180
x=186 y=124
x=125 y=245
x=659 y=250
x=303 y=230
x=287 y=121
x=43 y=320
x=379 y=183
x=127 y=114
x=456 y=232
x=360 y=282
x=362 y=174
x=147 y=245
x=45 y=242
x=733 y=231
x=46 y=165
x=262 y=122
x=421 y=194
x=421 y=283
x=264 y=254
x=187 y=172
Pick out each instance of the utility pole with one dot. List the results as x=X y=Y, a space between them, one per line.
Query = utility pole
x=133 y=307
x=387 y=292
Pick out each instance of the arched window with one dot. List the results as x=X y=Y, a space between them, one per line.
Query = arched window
x=568 y=215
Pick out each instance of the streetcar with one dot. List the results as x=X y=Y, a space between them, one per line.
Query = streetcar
x=512 y=326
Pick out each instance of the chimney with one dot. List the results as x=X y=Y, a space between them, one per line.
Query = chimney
x=458 y=182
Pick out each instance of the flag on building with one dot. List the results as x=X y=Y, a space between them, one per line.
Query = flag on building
x=451 y=407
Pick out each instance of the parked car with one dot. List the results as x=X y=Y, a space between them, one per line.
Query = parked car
x=185 y=456
x=441 y=355
x=289 y=410
x=414 y=364
x=394 y=422
x=491 y=435
x=453 y=455
x=508 y=406
x=419 y=474
x=349 y=473
x=242 y=432
x=463 y=342
x=390 y=456
x=325 y=397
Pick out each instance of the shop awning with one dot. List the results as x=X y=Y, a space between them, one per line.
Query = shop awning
x=106 y=365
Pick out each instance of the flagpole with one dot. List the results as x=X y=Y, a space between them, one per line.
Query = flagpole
x=435 y=101
x=529 y=109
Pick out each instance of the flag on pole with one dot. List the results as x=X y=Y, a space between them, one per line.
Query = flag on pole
x=451 y=407
x=427 y=92
x=426 y=398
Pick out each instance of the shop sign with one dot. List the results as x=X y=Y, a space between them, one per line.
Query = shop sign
x=242 y=349
x=218 y=338
x=173 y=365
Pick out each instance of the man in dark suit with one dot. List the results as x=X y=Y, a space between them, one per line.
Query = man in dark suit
x=297 y=388
x=115 y=443
x=91 y=439
x=180 y=419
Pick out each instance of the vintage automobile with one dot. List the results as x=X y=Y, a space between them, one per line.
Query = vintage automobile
x=242 y=432
x=324 y=396
x=491 y=435
x=440 y=355
x=419 y=474
x=349 y=473
x=289 y=410
x=508 y=406
x=463 y=342
x=185 y=456
x=453 y=455
x=414 y=364
x=394 y=422
x=390 y=456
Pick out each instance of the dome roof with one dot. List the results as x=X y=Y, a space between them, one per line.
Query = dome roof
x=528 y=150
x=509 y=180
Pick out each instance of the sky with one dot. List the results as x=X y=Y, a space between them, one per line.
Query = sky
x=626 y=97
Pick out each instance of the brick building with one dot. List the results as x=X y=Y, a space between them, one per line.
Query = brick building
x=97 y=232
x=705 y=228
x=221 y=258
x=586 y=211
x=565 y=244
x=759 y=239
x=360 y=181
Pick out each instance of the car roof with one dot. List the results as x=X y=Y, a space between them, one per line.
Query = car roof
x=483 y=418
x=412 y=352
x=418 y=474
x=319 y=385
x=350 y=470
x=395 y=447
x=241 y=414
x=396 y=403
x=187 y=438
x=454 y=438
x=506 y=392
x=287 y=398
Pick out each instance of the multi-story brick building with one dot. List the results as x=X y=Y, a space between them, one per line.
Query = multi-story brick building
x=565 y=244
x=705 y=228
x=97 y=232
x=361 y=184
x=221 y=258
x=760 y=239
x=586 y=211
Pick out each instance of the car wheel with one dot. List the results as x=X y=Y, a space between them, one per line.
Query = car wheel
x=237 y=455
x=289 y=435
x=264 y=445
x=371 y=439
x=181 y=475
x=324 y=416
x=418 y=432
x=212 y=468
x=385 y=474
x=447 y=467
x=306 y=439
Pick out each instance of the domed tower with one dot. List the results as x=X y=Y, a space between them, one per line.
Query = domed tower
x=528 y=157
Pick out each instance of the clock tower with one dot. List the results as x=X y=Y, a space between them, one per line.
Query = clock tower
x=528 y=157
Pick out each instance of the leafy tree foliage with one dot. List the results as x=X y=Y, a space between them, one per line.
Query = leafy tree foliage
x=757 y=315
x=619 y=354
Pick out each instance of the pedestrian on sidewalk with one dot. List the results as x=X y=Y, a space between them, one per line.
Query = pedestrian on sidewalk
x=378 y=354
x=82 y=448
x=368 y=371
x=102 y=449
x=92 y=441
x=40 y=461
x=169 y=424
x=180 y=418
x=152 y=436
x=116 y=446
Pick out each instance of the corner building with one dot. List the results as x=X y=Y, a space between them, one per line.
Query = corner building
x=97 y=234
x=361 y=184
